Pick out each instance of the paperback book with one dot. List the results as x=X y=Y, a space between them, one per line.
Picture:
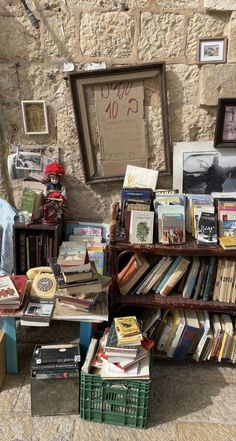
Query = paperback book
x=207 y=229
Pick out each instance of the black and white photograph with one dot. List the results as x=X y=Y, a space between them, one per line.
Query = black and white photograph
x=199 y=168
x=28 y=160
x=48 y=154
x=208 y=172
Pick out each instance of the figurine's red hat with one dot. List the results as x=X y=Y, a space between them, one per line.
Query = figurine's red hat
x=54 y=169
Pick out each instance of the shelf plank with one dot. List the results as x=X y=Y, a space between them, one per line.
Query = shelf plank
x=190 y=248
x=173 y=301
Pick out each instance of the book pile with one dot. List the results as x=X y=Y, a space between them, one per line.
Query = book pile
x=137 y=216
x=55 y=361
x=37 y=313
x=81 y=293
x=11 y=297
x=95 y=242
x=200 y=334
x=169 y=218
x=123 y=352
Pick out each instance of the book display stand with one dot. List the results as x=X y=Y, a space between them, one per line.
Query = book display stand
x=34 y=244
x=120 y=250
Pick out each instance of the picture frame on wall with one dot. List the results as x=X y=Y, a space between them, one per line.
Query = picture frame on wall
x=114 y=111
x=225 y=131
x=35 y=119
x=193 y=164
x=212 y=50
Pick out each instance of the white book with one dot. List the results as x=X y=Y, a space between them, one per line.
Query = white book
x=204 y=321
x=141 y=227
x=140 y=177
x=143 y=371
x=160 y=345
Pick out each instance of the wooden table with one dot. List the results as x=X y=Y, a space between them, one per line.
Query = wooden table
x=9 y=318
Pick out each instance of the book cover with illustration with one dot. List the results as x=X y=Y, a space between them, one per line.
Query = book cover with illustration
x=141 y=227
x=207 y=229
x=173 y=229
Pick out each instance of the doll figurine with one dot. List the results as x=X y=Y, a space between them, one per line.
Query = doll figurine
x=54 y=195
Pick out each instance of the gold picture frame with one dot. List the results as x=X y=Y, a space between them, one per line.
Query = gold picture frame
x=35 y=118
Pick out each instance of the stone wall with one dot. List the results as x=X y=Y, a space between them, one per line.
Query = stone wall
x=117 y=32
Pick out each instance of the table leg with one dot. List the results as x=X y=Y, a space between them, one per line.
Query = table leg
x=11 y=345
x=85 y=335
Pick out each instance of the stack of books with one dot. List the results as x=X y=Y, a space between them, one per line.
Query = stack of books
x=81 y=293
x=11 y=298
x=55 y=361
x=37 y=313
x=115 y=360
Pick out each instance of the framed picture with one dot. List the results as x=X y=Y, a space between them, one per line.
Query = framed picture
x=121 y=116
x=225 y=132
x=212 y=50
x=35 y=117
x=199 y=168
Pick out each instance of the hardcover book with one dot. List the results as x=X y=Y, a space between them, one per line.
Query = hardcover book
x=62 y=353
x=141 y=227
x=37 y=313
x=8 y=291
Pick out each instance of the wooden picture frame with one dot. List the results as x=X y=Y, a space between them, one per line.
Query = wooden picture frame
x=35 y=118
x=99 y=97
x=225 y=131
x=212 y=50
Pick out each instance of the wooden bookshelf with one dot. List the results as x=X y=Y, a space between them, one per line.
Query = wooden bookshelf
x=173 y=300
x=51 y=239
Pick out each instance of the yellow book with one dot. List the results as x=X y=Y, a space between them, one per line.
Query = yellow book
x=127 y=326
x=228 y=242
x=175 y=324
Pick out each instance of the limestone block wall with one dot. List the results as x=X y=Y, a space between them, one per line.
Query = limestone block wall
x=116 y=32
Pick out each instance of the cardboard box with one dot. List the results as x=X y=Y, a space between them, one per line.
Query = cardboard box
x=2 y=357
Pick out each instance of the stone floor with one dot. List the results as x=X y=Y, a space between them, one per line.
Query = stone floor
x=188 y=402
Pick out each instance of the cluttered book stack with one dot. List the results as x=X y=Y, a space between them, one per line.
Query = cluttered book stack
x=123 y=351
x=82 y=293
x=12 y=292
x=55 y=374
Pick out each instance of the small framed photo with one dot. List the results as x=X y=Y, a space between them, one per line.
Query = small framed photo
x=225 y=132
x=35 y=118
x=212 y=50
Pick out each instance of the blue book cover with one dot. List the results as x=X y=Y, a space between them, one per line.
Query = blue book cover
x=168 y=274
x=189 y=337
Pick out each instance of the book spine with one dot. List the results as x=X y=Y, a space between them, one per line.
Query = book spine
x=168 y=274
x=209 y=279
x=175 y=277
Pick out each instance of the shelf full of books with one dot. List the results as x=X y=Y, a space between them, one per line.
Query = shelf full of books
x=34 y=244
x=146 y=217
x=200 y=335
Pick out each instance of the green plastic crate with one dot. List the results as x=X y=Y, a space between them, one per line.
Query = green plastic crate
x=120 y=402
